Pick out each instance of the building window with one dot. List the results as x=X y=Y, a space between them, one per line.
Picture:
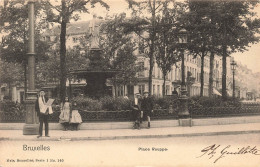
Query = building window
x=141 y=89
x=167 y=89
x=75 y=40
x=141 y=73
x=167 y=76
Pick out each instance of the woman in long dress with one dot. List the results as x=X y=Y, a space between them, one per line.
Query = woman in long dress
x=75 y=117
x=65 y=113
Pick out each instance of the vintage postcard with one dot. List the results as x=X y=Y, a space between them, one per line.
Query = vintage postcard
x=138 y=83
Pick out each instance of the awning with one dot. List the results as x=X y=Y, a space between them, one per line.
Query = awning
x=216 y=92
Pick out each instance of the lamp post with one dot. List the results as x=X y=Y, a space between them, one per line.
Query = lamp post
x=182 y=40
x=31 y=127
x=233 y=68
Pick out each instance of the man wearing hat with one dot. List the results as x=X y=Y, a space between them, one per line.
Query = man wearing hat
x=43 y=112
x=147 y=107
x=137 y=111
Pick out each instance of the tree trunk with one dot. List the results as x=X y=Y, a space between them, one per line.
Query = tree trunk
x=182 y=69
x=151 y=71
x=224 y=73
x=202 y=75
x=224 y=64
x=63 y=53
x=164 y=82
x=211 y=68
x=152 y=35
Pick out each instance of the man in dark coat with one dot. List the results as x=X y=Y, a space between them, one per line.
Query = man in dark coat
x=175 y=93
x=43 y=113
x=147 y=107
x=136 y=108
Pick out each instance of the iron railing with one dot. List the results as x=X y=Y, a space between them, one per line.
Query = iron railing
x=227 y=111
x=126 y=115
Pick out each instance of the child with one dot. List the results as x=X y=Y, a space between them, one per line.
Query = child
x=75 y=117
x=65 y=113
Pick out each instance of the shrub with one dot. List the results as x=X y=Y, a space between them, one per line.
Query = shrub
x=89 y=104
x=165 y=102
x=115 y=103
x=204 y=101
x=8 y=106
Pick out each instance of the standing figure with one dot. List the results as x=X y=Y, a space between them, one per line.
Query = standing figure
x=175 y=93
x=136 y=108
x=65 y=113
x=43 y=112
x=94 y=33
x=147 y=108
x=75 y=117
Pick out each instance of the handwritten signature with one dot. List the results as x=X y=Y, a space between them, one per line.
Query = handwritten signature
x=214 y=150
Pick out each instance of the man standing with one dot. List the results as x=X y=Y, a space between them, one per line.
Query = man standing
x=175 y=93
x=147 y=107
x=136 y=111
x=43 y=112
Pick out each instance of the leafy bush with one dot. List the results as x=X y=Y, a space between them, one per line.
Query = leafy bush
x=204 y=101
x=89 y=104
x=115 y=103
x=165 y=102
x=8 y=106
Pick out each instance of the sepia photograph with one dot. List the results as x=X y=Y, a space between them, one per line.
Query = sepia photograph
x=129 y=83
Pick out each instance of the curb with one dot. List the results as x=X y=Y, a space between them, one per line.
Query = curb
x=129 y=137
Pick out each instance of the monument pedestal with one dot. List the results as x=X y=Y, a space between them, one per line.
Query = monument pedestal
x=185 y=122
x=31 y=126
x=184 y=110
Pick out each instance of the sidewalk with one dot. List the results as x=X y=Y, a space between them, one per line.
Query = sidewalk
x=58 y=135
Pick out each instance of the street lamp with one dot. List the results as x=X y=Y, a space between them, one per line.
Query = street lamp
x=183 y=40
x=233 y=68
x=31 y=127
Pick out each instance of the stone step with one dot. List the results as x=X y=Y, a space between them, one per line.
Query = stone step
x=97 y=125
x=154 y=124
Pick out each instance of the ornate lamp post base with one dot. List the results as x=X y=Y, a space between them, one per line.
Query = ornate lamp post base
x=184 y=111
x=31 y=126
x=184 y=115
x=31 y=129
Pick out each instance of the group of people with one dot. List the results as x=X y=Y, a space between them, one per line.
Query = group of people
x=142 y=109
x=69 y=115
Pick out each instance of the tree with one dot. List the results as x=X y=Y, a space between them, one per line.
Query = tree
x=166 y=45
x=211 y=69
x=14 y=17
x=202 y=32
x=125 y=62
x=143 y=24
x=62 y=14
x=118 y=49
x=237 y=27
